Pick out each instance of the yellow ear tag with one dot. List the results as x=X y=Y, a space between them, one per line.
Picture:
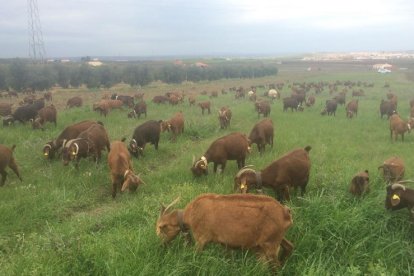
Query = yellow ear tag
x=242 y=186
x=395 y=197
x=46 y=154
x=73 y=153
x=202 y=166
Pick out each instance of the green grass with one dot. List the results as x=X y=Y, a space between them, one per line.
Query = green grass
x=63 y=221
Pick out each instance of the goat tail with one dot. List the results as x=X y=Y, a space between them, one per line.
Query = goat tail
x=13 y=147
x=308 y=148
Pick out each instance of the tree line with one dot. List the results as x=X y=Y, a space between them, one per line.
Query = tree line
x=21 y=75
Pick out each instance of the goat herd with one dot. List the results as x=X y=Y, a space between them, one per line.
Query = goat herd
x=237 y=215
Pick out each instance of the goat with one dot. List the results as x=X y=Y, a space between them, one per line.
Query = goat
x=122 y=171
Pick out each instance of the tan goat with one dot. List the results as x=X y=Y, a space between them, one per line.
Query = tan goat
x=398 y=127
x=237 y=221
x=175 y=125
x=122 y=172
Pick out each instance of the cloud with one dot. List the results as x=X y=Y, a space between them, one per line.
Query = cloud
x=328 y=14
x=138 y=27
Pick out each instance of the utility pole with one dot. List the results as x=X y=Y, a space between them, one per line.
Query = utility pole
x=37 y=52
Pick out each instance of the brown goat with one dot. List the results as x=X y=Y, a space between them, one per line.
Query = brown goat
x=89 y=142
x=70 y=132
x=360 y=184
x=140 y=108
x=290 y=170
x=205 y=105
x=46 y=114
x=175 y=125
x=191 y=100
x=262 y=134
x=352 y=109
x=5 y=109
x=393 y=169
x=122 y=171
x=7 y=160
x=387 y=108
x=74 y=102
x=262 y=107
x=398 y=197
x=398 y=127
x=104 y=106
x=233 y=146
x=310 y=101
x=262 y=225
x=224 y=117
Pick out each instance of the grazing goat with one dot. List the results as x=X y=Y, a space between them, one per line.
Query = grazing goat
x=205 y=105
x=398 y=197
x=175 y=125
x=352 y=109
x=262 y=134
x=46 y=114
x=240 y=221
x=290 y=170
x=7 y=160
x=89 y=142
x=393 y=169
x=148 y=132
x=290 y=102
x=234 y=146
x=122 y=171
x=74 y=102
x=140 y=108
x=70 y=132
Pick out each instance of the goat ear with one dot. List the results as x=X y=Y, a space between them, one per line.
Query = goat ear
x=395 y=200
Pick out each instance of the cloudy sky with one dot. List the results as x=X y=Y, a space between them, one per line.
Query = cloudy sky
x=208 y=27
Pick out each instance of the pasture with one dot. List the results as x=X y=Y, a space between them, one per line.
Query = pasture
x=63 y=221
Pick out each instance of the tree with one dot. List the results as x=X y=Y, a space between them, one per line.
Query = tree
x=18 y=75
x=40 y=78
x=63 y=75
x=3 y=78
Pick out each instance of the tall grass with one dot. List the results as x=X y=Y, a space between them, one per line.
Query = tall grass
x=63 y=221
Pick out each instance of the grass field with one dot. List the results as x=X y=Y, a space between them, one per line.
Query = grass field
x=62 y=221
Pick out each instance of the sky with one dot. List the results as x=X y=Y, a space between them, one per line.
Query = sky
x=146 y=28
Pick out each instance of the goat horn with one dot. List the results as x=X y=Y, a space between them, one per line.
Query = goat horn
x=404 y=181
x=245 y=169
x=140 y=179
x=397 y=185
x=171 y=204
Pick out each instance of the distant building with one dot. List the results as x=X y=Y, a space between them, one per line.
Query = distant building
x=95 y=63
x=383 y=71
x=201 y=65
x=382 y=66
x=179 y=62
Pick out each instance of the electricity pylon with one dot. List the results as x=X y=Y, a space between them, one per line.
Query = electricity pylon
x=37 y=50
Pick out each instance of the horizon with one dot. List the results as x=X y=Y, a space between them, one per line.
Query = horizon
x=230 y=56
